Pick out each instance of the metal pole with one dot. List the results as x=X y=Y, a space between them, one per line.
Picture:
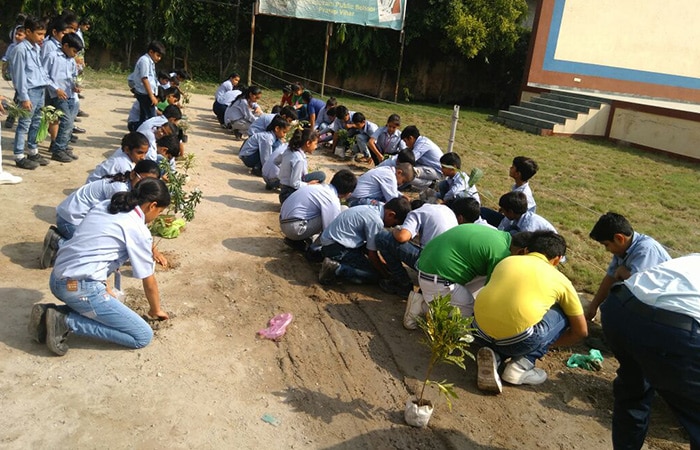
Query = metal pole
x=329 y=31
x=453 y=132
x=252 y=41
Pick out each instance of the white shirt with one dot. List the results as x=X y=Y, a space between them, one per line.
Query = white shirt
x=223 y=88
x=427 y=153
x=119 y=162
x=525 y=189
x=293 y=167
x=271 y=168
x=261 y=123
x=673 y=285
x=76 y=206
x=377 y=184
x=103 y=242
x=311 y=201
x=429 y=221
x=146 y=128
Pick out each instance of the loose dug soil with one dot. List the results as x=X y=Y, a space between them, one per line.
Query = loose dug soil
x=338 y=379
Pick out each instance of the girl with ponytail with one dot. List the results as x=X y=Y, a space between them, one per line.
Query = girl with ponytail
x=294 y=166
x=113 y=232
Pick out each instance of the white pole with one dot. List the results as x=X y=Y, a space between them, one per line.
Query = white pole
x=252 y=41
x=329 y=31
x=453 y=132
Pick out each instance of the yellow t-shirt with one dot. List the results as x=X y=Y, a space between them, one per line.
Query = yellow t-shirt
x=520 y=292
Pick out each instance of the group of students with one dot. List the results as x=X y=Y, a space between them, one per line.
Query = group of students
x=44 y=62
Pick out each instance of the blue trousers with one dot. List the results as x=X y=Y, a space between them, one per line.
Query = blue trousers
x=396 y=254
x=28 y=128
x=653 y=357
x=354 y=265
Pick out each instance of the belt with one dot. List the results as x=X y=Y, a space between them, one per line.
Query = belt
x=434 y=278
x=292 y=219
x=658 y=315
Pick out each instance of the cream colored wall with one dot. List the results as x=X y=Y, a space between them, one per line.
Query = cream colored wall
x=628 y=34
x=670 y=134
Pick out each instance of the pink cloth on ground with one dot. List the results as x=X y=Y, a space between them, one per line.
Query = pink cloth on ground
x=277 y=326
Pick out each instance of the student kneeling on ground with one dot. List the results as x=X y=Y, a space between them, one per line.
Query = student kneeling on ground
x=527 y=306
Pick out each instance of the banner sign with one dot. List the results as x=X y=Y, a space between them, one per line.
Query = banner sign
x=371 y=13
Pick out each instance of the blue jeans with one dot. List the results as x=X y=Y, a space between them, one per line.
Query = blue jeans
x=395 y=255
x=545 y=332
x=65 y=124
x=28 y=128
x=146 y=108
x=95 y=313
x=653 y=357
x=354 y=265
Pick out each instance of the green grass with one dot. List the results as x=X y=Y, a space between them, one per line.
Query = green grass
x=578 y=179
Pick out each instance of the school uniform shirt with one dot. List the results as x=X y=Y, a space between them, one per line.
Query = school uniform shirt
x=459 y=184
x=8 y=53
x=310 y=201
x=338 y=124
x=427 y=153
x=525 y=189
x=76 y=206
x=322 y=117
x=238 y=110
x=293 y=167
x=49 y=46
x=644 y=252
x=145 y=68
x=103 y=242
x=388 y=144
x=261 y=123
x=355 y=227
x=527 y=222
x=62 y=71
x=146 y=128
x=230 y=96
x=429 y=221
x=27 y=70
x=265 y=143
x=378 y=184
x=119 y=162
x=223 y=88
x=368 y=130
x=271 y=168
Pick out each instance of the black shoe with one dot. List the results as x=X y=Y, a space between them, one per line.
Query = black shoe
x=50 y=248
x=78 y=130
x=82 y=113
x=61 y=157
x=76 y=120
x=313 y=255
x=9 y=122
x=301 y=246
x=391 y=287
x=69 y=152
x=37 y=158
x=37 y=322
x=256 y=171
x=57 y=331
x=328 y=269
x=81 y=96
x=73 y=139
x=26 y=163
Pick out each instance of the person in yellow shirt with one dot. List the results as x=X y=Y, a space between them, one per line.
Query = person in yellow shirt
x=527 y=306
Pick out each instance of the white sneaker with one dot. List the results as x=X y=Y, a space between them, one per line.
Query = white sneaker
x=8 y=178
x=487 y=378
x=521 y=371
x=415 y=306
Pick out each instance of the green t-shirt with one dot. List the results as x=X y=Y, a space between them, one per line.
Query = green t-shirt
x=464 y=252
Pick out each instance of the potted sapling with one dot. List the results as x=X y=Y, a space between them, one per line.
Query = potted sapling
x=447 y=336
x=182 y=203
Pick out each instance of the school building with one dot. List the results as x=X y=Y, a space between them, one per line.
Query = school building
x=621 y=69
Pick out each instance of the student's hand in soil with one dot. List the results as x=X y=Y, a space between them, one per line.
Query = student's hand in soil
x=160 y=258
x=158 y=315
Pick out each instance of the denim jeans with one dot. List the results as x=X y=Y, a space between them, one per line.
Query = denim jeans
x=354 y=265
x=653 y=357
x=146 y=108
x=95 y=313
x=28 y=128
x=545 y=332
x=65 y=124
x=396 y=255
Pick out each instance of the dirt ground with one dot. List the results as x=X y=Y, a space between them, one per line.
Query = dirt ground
x=338 y=379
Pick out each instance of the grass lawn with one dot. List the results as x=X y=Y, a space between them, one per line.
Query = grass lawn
x=578 y=179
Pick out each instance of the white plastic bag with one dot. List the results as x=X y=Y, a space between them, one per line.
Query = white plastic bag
x=417 y=416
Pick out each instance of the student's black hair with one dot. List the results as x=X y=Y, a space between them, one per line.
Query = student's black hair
x=296 y=86
x=72 y=40
x=233 y=75
x=344 y=181
x=407 y=170
x=300 y=137
x=33 y=24
x=341 y=111
x=306 y=96
x=521 y=239
x=287 y=89
x=394 y=118
x=331 y=102
x=526 y=166
x=69 y=17
x=148 y=190
x=21 y=17
x=174 y=129
x=406 y=155
x=401 y=207
x=58 y=25
x=417 y=203
x=172 y=91
x=277 y=121
x=289 y=113
x=162 y=74
x=134 y=140
x=247 y=92
x=172 y=112
x=358 y=117
x=610 y=224
x=451 y=159
x=410 y=131
x=330 y=112
x=514 y=201
x=182 y=73
x=145 y=166
x=157 y=47
x=549 y=243
x=467 y=207
x=85 y=21
x=171 y=144
x=276 y=109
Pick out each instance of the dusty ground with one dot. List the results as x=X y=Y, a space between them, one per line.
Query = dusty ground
x=338 y=379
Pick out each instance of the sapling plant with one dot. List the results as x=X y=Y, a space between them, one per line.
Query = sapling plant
x=184 y=203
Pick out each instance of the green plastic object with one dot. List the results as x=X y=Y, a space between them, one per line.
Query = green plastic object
x=170 y=231
x=592 y=361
